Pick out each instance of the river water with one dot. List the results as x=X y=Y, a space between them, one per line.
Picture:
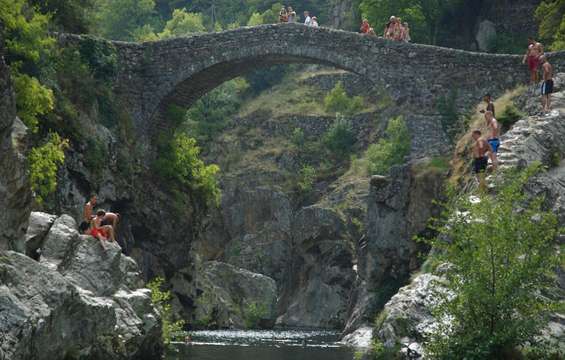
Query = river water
x=261 y=345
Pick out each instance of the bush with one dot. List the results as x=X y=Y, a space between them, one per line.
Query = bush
x=254 y=314
x=162 y=301
x=298 y=138
x=337 y=101
x=179 y=160
x=509 y=116
x=32 y=99
x=306 y=178
x=502 y=255
x=44 y=162
x=339 y=139
x=390 y=150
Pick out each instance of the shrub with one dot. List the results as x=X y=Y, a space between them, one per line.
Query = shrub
x=390 y=150
x=32 y=99
x=509 y=116
x=337 y=101
x=339 y=139
x=298 y=138
x=306 y=178
x=254 y=314
x=502 y=255
x=162 y=301
x=44 y=162
x=179 y=160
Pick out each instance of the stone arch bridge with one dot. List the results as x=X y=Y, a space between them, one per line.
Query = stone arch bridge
x=153 y=75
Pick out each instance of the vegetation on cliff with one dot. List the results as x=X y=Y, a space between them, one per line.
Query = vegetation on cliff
x=501 y=255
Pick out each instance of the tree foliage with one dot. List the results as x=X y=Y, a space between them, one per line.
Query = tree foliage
x=337 y=101
x=120 y=19
x=340 y=138
x=161 y=299
x=551 y=17
x=44 y=162
x=179 y=160
x=390 y=150
x=501 y=255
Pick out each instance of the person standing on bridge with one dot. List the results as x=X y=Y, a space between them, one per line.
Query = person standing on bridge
x=365 y=26
x=406 y=33
x=307 y=18
x=547 y=85
x=283 y=15
x=314 y=22
x=291 y=15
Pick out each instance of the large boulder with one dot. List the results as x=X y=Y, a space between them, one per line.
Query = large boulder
x=15 y=193
x=38 y=228
x=79 y=301
x=231 y=297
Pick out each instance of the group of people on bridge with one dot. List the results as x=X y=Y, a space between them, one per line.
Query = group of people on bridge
x=101 y=224
x=394 y=29
x=288 y=15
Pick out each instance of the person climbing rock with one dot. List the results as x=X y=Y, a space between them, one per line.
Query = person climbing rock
x=112 y=219
x=106 y=230
x=480 y=158
x=547 y=85
x=494 y=128
x=89 y=208
x=489 y=105
x=535 y=50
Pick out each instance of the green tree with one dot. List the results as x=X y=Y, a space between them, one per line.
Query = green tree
x=121 y=19
x=390 y=150
x=337 y=101
x=179 y=160
x=68 y=15
x=255 y=19
x=183 y=23
x=306 y=178
x=161 y=299
x=340 y=138
x=44 y=162
x=501 y=255
x=551 y=18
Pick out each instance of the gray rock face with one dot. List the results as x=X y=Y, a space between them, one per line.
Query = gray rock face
x=39 y=225
x=228 y=294
x=15 y=194
x=85 y=304
x=400 y=207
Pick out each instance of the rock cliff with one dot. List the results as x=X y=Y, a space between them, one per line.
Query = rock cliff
x=78 y=301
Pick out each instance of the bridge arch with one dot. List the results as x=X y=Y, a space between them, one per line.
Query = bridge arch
x=154 y=74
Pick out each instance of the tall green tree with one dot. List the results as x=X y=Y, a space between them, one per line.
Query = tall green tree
x=502 y=257
x=551 y=17
x=121 y=19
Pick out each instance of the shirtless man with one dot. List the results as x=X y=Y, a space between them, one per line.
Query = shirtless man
x=535 y=50
x=89 y=208
x=494 y=128
x=547 y=85
x=490 y=105
x=111 y=219
x=98 y=226
x=480 y=159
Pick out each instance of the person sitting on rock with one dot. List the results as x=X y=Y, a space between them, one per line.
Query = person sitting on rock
x=89 y=208
x=365 y=26
x=283 y=15
x=89 y=228
x=107 y=230
x=111 y=219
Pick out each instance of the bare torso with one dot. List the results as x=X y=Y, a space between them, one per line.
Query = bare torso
x=547 y=71
x=495 y=129
x=480 y=149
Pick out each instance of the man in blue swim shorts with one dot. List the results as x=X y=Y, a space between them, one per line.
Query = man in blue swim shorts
x=494 y=129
